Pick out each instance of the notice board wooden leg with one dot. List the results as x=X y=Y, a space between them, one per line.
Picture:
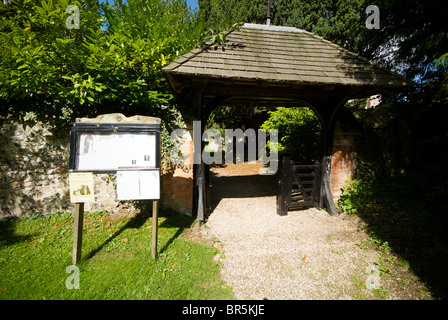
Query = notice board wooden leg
x=155 y=227
x=77 y=232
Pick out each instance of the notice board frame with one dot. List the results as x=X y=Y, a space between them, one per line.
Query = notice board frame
x=111 y=128
x=105 y=128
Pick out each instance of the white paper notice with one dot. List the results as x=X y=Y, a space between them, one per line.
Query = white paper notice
x=100 y=151
x=138 y=185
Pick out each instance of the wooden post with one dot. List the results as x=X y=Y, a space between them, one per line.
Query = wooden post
x=326 y=199
x=317 y=183
x=284 y=186
x=77 y=232
x=208 y=201
x=155 y=229
x=201 y=192
x=198 y=168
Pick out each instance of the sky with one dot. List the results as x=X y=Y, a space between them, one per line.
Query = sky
x=192 y=3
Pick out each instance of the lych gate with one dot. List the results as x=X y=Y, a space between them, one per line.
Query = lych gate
x=260 y=65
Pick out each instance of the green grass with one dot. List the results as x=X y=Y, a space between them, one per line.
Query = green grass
x=407 y=220
x=116 y=261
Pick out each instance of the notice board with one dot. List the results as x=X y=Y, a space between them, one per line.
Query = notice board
x=129 y=147
x=111 y=147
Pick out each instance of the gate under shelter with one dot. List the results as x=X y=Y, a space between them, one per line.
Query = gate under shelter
x=265 y=65
x=302 y=186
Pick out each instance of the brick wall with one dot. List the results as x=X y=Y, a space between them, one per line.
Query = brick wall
x=343 y=162
x=178 y=191
x=178 y=185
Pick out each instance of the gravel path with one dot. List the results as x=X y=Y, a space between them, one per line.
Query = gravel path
x=307 y=254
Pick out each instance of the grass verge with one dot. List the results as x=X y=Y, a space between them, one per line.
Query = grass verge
x=407 y=225
x=116 y=262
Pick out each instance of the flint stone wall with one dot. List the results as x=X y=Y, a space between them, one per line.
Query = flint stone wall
x=34 y=176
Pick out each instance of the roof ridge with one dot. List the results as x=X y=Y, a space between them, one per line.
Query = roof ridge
x=271 y=27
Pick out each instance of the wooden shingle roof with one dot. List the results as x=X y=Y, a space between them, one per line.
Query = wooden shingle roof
x=282 y=55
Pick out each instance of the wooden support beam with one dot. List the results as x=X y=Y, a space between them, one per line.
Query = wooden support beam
x=199 y=170
x=77 y=232
x=284 y=186
x=317 y=182
x=326 y=199
x=201 y=192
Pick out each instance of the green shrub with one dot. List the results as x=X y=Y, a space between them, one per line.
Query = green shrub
x=299 y=133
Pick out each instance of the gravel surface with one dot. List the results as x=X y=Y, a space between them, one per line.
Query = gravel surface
x=307 y=254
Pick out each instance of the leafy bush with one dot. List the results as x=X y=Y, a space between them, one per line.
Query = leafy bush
x=299 y=133
x=112 y=63
x=347 y=201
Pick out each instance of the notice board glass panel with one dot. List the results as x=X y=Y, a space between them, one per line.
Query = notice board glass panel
x=114 y=151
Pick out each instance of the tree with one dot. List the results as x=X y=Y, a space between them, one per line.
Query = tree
x=339 y=21
x=299 y=133
x=38 y=50
x=219 y=13
x=412 y=35
x=112 y=63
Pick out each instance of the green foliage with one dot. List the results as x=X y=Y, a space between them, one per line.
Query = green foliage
x=347 y=202
x=241 y=117
x=112 y=63
x=299 y=133
x=339 y=20
x=217 y=13
x=93 y=65
x=411 y=37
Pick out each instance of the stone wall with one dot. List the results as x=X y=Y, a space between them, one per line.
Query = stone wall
x=33 y=170
x=34 y=176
